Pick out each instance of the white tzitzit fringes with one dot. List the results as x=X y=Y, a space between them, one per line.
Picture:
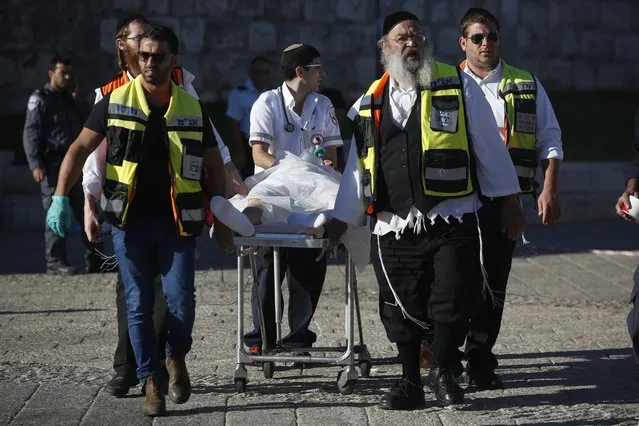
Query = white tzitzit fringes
x=485 y=286
x=397 y=301
x=109 y=263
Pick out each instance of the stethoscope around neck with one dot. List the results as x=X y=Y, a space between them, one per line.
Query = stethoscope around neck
x=290 y=127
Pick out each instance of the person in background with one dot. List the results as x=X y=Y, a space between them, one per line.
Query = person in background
x=54 y=119
x=240 y=102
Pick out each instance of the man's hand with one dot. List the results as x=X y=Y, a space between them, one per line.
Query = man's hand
x=92 y=226
x=335 y=229
x=38 y=174
x=513 y=221
x=234 y=182
x=223 y=236
x=59 y=214
x=548 y=207
x=623 y=203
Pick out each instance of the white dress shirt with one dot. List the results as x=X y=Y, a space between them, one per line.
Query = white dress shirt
x=240 y=103
x=274 y=109
x=548 y=132
x=94 y=166
x=494 y=169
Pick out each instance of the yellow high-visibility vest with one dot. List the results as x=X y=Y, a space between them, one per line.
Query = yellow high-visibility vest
x=519 y=90
x=446 y=158
x=128 y=114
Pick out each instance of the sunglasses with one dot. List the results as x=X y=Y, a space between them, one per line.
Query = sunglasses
x=157 y=57
x=479 y=38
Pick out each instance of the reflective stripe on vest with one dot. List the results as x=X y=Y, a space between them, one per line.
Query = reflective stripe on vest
x=128 y=113
x=519 y=91
x=445 y=150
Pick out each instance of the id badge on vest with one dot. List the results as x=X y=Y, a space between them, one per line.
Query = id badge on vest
x=525 y=116
x=192 y=159
x=444 y=113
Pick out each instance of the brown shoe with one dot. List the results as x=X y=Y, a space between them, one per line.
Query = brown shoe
x=154 y=402
x=425 y=357
x=179 y=382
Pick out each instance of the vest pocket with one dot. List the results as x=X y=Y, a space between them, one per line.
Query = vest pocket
x=445 y=171
x=190 y=210
x=115 y=198
x=367 y=183
x=123 y=144
x=364 y=133
x=525 y=116
x=444 y=113
x=525 y=162
x=192 y=159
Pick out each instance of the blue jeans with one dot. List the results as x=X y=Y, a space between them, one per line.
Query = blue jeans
x=145 y=247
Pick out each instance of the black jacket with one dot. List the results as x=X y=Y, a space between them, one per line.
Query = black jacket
x=53 y=121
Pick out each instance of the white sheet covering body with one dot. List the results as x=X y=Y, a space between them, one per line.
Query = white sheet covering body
x=297 y=192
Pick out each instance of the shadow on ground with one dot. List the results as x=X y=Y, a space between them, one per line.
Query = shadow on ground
x=564 y=381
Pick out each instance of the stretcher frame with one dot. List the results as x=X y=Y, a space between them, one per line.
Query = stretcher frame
x=351 y=355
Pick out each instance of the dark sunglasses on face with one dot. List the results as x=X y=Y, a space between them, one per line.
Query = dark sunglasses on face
x=157 y=57
x=479 y=38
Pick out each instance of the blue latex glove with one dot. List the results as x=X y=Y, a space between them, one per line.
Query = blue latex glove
x=59 y=214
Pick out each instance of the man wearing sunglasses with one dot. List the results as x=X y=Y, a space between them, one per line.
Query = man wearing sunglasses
x=529 y=128
x=160 y=142
x=424 y=146
x=292 y=118
x=129 y=30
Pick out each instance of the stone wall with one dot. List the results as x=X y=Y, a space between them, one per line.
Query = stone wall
x=570 y=44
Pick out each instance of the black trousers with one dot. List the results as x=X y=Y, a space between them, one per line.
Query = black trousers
x=305 y=286
x=485 y=323
x=124 y=359
x=436 y=275
x=55 y=246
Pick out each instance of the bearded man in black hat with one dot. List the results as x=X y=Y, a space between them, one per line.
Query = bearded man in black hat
x=425 y=149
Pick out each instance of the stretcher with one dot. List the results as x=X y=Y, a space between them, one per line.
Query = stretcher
x=351 y=357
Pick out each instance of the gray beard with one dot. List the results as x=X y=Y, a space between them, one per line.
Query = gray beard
x=409 y=74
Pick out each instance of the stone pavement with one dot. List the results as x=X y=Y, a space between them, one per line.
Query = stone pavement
x=564 y=350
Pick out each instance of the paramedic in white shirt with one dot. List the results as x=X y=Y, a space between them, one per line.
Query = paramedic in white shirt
x=425 y=248
x=527 y=123
x=293 y=118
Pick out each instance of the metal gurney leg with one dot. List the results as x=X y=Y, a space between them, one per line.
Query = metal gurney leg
x=349 y=357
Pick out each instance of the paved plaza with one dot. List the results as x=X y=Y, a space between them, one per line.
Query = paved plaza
x=564 y=349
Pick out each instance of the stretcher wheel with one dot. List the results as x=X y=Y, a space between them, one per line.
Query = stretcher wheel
x=344 y=384
x=269 y=368
x=240 y=385
x=365 y=369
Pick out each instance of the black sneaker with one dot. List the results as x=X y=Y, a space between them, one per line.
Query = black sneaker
x=404 y=395
x=119 y=385
x=442 y=382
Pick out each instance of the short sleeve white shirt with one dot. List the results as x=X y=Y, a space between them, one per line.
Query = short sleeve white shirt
x=273 y=111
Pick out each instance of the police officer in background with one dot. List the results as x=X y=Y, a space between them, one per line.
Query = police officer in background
x=53 y=121
x=238 y=110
